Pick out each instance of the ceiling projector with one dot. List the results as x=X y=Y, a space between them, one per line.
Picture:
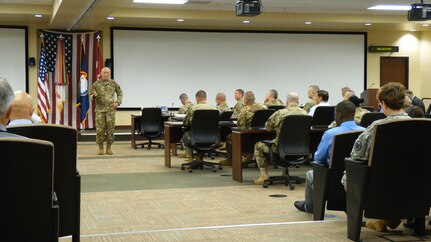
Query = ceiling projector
x=419 y=12
x=248 y=7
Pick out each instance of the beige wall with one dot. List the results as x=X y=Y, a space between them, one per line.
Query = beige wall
x=415 y=45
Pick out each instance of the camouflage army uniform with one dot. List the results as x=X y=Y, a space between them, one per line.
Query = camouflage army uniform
x=105 y=115
x=244 y=121
x=309 y=105
x=359 y=112
x=275 y=102
x=223 y=108
x=361 y=148
x=237 y=109
x=189 y=117
x=185 y=108
x=274 y=123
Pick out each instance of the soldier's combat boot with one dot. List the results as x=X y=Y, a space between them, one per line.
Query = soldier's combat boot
x=108 y=149
x=101 y=152
x=263 y=176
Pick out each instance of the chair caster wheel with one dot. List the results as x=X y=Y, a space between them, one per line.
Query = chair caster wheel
x=214 y=171
x=220 y=167
x=183 y=168
x=265 y=185
x=291 y=187
x=190 y=171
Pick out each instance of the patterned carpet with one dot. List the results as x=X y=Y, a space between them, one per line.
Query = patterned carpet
x=131 y=196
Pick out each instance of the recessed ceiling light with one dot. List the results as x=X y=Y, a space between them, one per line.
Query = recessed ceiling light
x=109 y=18
x=390 y=7
x=425 y=25
x=246 y=21
x=180 y=20
x=161 y=1
x=368 y=24
x=38 y=15
x=412 y=30
x=308 y=22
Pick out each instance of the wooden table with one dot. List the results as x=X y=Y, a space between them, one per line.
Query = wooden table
x=243 y=141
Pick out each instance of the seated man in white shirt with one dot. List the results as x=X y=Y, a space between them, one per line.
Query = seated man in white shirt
x=321 y=100
x=22 y=109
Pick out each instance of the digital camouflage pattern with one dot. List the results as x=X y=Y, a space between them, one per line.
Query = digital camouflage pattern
x=237 y=109
x=223 y=108
x=275 y=102
x=309 y=105
x=274 y=123
x=185 y=108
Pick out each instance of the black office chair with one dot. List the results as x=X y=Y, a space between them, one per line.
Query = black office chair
x=260 y=117
x=369 y=118
x=276 y=107
x=225 y=116
x=67 y=181
x=205 y=135
x=151 y=126
x=394 y=183
x=323 y=116
x=428 y=109
x=427 y=115
x=328 y=189
x=30 y=209
x=293 y=148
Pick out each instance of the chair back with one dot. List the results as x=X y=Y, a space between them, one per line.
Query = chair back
x=260 y=117
x=342 y=145
x=151 y=121
x=428 y=109
x=225 y=116
x=398 y=184
x=427 y=115
x=205 y=129
x=28 y=212
x=323 y=115
x=294 y=139
x=369 y=118
x=276 y=107
x=67 y=181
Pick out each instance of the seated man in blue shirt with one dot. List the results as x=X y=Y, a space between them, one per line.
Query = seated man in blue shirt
x=344 y=117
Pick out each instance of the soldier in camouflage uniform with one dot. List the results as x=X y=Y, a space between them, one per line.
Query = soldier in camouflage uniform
x=391 y=96
x=274 y=122
x=201 y=104
x=271 y=99
x=103 y=92
x=244 y=121
x=186 y=104
x=239 y=93
x=312 y=95
x=221 y=102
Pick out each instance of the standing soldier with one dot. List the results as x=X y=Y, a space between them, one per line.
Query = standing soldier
x=239 y=93
x=103 y=91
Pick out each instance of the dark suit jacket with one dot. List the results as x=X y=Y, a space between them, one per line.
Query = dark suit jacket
x=417 y=102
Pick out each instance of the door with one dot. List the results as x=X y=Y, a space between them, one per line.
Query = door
x=394 y=69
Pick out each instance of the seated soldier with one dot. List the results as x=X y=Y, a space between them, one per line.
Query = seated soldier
x=271 y=98
x=186 y=104
x=244 y=121
x=22 y=109
x=392 y=99
x=261 y=150
x=6 y=99
x=239 y=94
x=201 y=104
x=344 y=117
x=221 y=102
x=312 y=95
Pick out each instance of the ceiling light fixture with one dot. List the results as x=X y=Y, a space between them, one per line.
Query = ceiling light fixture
x=413 y=30
x=308 y=22
x=425 y=25
x=38 y=15
x=246 y=21
x=368 y=24
x=390 y=7
x=161 y=1
x=109 y=18
x=180 y=20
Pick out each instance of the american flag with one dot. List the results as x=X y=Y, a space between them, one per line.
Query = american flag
x=43 y=100
x=67 y=105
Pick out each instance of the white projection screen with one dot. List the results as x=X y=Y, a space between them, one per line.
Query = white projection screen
x=154 y=67
x=13 y=60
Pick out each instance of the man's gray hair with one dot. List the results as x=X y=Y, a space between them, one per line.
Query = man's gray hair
x=315 y=88
x=6 y=97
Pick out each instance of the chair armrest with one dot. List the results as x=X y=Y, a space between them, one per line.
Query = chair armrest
x=317 y=165
x=357 y=162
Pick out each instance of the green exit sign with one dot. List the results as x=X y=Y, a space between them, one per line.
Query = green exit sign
x=383 y=48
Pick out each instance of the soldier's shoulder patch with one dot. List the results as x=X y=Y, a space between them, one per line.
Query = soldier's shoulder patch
x=358 y=145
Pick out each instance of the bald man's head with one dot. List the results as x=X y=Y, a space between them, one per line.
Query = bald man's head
x=105 y=73
x=22 y=106
x=292 y=98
